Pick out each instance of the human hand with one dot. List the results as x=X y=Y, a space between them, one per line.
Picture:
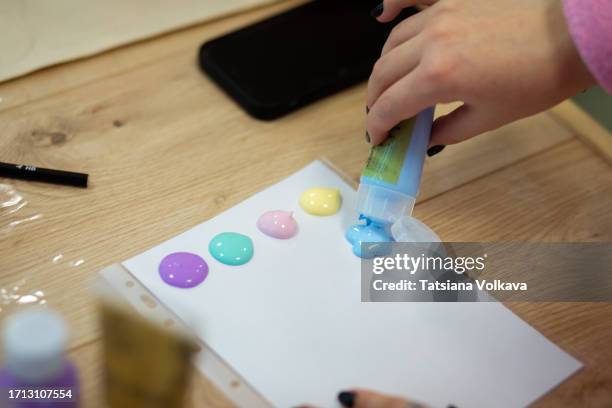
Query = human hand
x=504 y=59
x=369 y=399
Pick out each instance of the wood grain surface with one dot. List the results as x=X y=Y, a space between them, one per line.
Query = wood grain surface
x=591 y=132
x=166 y=150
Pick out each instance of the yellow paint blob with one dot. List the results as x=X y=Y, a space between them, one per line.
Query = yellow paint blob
x=321 y=201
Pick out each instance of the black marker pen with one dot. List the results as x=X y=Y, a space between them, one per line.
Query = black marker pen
x=32 y=173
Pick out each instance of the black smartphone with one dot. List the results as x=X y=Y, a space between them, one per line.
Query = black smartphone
x=300 y=56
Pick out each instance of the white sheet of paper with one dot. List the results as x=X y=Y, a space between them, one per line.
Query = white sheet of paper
x=292 y=324
x=36 y=34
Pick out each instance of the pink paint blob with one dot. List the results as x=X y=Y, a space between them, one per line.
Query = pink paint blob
x=183 y=269
x=278 y=224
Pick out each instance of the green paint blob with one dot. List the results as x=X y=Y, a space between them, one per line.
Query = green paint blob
x=231 y=248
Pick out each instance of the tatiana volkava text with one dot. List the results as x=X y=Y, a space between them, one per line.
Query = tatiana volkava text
x=448 y=285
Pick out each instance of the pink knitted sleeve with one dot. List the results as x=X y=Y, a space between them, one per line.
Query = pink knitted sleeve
x=590 y=24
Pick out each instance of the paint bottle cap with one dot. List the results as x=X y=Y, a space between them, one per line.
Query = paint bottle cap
x=382 y=205
x=34 y=344
x=409 y=229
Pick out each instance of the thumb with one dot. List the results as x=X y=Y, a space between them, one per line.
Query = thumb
x=461 y=124
x=370 y=399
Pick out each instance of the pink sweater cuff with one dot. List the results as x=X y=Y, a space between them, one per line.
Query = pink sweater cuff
x=590 y=24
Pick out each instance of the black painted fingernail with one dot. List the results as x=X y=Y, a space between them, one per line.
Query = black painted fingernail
x=367 y=109
x=433 y=150
x=377 y=11
x=347 y=398
x=368 y=139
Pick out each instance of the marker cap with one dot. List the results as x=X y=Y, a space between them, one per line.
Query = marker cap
x=34 y=344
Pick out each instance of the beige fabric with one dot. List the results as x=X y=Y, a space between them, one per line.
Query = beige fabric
x=38 y=33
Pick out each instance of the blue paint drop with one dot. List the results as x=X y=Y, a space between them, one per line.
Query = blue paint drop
x=371 y=235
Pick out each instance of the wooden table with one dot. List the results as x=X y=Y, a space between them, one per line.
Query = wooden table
x=167 y=150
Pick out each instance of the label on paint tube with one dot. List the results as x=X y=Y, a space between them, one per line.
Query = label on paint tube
x=386 y=160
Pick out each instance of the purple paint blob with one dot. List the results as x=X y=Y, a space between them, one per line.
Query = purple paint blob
x=183 y=270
